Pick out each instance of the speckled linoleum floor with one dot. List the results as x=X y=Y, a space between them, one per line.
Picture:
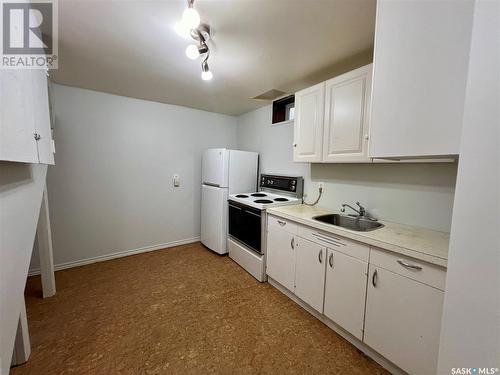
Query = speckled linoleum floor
x=182 y=310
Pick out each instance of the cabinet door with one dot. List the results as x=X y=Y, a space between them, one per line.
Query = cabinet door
x=17 y=127
x=42 y=116
x=310 y=273
x=347 y=113
x=403 y=320
x=281 y=256
x=308 y=128
x=345 y=291
x=418 y=101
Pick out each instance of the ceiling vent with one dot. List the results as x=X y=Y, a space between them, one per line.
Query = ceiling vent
x=270 y=95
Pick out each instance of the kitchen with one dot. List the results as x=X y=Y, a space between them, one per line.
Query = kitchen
x=327 y=219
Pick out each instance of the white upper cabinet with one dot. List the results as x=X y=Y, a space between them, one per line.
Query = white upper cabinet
x=42 y=117
x=17 y=126
x=308 y=129
x=25 y=132
x=420 y=71
x=347 y=115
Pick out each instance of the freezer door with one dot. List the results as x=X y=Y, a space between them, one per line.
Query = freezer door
x=243 y=167
x=215 y=162
x=214 y=218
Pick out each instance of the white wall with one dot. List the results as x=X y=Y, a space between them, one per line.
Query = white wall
x=414 y=194
x=111 y=188
x=21 y=188
x=470 y=335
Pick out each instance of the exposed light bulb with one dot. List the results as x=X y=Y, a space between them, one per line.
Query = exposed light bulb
x=207 y=76
x=192 y=52
x=191 y=18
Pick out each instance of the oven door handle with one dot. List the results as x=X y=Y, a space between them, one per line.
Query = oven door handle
x=252 y=213
x=238 y=208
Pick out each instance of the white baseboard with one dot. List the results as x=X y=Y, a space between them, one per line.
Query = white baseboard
x=119 y=254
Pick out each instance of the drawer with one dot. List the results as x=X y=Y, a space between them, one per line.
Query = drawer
x=284 y=224
x=423 y=272
x=335 y=242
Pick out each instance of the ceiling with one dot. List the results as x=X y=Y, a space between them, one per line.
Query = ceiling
x=130 y=48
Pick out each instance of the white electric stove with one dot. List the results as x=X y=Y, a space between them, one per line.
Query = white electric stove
x=247 y=235
x=262 y=200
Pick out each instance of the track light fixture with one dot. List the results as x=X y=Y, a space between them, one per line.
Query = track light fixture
x=206 y=74
x=190 y=26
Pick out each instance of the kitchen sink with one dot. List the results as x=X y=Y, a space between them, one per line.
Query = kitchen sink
x=353 y=223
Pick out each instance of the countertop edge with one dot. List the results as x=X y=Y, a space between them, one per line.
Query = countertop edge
x=438 y=261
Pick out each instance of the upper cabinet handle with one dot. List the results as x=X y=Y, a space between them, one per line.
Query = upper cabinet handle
x=409 y=266
x=282 y=223
x=330 y=260
x=292 y=243
x=320 y=256
x=295 y=145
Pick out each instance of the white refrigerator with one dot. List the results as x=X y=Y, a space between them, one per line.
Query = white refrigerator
x=223 y=172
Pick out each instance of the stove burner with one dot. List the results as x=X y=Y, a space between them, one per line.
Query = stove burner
x=258 y=195
x=280 y=199
x=262 y=201
x=241 y=196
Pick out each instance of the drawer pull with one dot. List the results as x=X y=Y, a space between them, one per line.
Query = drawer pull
x=330 y=260
x=320 y=256
x=329 y=240
x=282 y=223
x=409 y=266
x=327 y=237
x=374 y=279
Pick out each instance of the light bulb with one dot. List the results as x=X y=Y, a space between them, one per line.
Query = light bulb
x=206 y=76
x=192 y=52
x=191 y=18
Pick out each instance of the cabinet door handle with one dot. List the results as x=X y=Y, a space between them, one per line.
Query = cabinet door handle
x=37 y=137
x=409 y=266
x=295 y=145
x=374 y=279
x=330 y=260
x=320 y=256
x=292 y=243
x=282 y=223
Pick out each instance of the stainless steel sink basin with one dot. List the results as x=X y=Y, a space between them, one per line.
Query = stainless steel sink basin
x=353 y=223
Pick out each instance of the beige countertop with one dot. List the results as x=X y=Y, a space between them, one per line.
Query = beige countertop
x=419 y=243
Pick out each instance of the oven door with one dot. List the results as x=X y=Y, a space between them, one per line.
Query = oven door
x=245 y=225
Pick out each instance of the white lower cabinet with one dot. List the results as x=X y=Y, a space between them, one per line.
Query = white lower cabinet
x=389 y=302
x=310 y=272
x=345 y=292
x=403 y=320
x=281 y=256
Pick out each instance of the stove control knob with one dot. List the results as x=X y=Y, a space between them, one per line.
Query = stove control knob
x=293 y=188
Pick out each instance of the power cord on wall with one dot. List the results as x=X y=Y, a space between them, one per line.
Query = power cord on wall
x=320 y=193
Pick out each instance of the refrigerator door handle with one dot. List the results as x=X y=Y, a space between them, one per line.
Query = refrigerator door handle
x=210 y=184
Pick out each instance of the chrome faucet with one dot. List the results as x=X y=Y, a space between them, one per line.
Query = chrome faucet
x=361 y=212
